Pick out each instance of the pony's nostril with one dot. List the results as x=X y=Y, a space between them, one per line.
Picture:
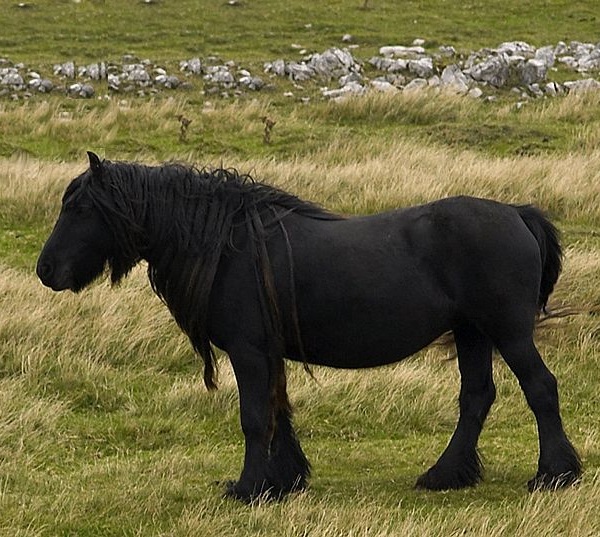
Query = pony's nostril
x=44 y=271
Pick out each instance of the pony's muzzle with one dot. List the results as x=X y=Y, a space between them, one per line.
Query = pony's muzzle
x=50 y=276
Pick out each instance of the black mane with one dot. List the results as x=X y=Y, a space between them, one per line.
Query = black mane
x=181 y=219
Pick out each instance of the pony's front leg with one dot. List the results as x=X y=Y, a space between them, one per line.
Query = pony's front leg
x=251 y=368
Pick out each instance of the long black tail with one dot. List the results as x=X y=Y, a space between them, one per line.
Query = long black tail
x=548 y=238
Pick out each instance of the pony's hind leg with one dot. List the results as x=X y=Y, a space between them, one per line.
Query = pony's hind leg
x=459 y=465
x=559 y=465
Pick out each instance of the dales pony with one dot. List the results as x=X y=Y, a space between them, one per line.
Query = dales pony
x=266 y=276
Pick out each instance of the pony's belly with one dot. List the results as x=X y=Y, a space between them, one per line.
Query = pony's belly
x=371 y=345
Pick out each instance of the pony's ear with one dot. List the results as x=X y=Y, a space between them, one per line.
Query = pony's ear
x=95 y=165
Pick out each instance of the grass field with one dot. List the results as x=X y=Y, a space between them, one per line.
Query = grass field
x=105 y=426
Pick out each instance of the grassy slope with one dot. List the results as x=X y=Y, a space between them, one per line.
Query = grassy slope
x=259 y=31
x=252 y=33
x=105 y=428
x=60 y=128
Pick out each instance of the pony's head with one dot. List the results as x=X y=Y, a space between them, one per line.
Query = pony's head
x=81 y=243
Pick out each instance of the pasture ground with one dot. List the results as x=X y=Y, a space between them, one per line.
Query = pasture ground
x=105 y=426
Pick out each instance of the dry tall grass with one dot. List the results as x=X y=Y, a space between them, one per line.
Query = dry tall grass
x=358 y=178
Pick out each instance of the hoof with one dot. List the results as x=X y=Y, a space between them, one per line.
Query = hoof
x=553 y=482
x=442 y=478
x=253 y=494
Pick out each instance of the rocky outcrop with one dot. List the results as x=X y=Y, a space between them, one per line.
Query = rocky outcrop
x=333 y=63
x=513 y=64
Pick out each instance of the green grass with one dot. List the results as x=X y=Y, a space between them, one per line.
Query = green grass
x=149 y=128
x=105 y=427
x=260 y=31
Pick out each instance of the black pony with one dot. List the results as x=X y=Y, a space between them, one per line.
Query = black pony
x=265 y=276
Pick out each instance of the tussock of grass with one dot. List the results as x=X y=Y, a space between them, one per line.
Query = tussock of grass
x=32 y=189
x=28 y=424
x=413 y=108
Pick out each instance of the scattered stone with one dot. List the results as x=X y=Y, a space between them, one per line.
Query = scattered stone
x=193 y=66
x=553 y=89
x=253 y=83
x=535 y=90
x=114 y=83
x=402 y=51
x=277 y=67
x=589 y=62
x=169 y=82
x=81 y=90
x=388 y=64
x=12 y=78
x=66 y=70
x=493 y=70
x=569 y=61
x=299 y=72
x=515 y=48
x=87 y=91
x=582 y=86
x=333 y=63
x=533 y=71
x=383 y=86
x=453 y=79
x=350 y=78
x=417 y=84
x=561 y=48
x=547 y=55
x=447 y=50
x=352 y=88
x=45 y=86
x=95 y=71
x=434 y=82
x=220 y=75
x=136 y=72
x=422 y=68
